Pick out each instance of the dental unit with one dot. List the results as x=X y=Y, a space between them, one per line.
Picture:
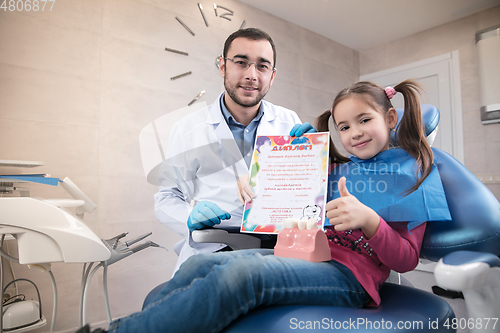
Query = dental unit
x=47 y=231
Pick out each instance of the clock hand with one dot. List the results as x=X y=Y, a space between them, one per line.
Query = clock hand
x=196 y=98
x=202 y=15
x=180 y=75
x=184 y=25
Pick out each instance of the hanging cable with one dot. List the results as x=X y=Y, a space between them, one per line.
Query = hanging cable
x=105 y=288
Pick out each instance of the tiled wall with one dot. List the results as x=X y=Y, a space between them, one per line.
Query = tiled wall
x=78 y=83
x=481 y=142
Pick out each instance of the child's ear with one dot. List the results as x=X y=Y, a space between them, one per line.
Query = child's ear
x=392 y=118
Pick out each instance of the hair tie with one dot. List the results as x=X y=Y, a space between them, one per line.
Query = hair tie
x=390 y=92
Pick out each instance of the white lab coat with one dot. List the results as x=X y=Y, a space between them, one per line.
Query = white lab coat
x=203 y=163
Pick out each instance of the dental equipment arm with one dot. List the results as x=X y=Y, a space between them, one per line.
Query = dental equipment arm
x=119 y=250
x=133 y=241
x=78 y=194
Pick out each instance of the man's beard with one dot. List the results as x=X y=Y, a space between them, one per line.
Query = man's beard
x=234 y=96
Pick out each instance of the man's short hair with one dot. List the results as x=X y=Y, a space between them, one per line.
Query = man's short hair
x=252 y=34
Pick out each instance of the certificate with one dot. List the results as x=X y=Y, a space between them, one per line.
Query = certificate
x=288 y=176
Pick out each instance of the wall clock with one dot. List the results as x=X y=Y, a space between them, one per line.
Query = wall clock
x=207 y=15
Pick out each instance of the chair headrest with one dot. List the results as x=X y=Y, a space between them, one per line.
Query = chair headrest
x=430 y=121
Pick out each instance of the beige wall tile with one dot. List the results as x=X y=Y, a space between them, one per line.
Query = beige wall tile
x=284 y=34
x=287 y=66
x=133 y=107
x=495 y=189
x=475 y=157
x=144 y=24
x=86 y=15
x=314 y=102
x=320 y=76
x=492 y=149
x=191 y=10
x=473 y=129
x=205 y=77
x=125 y=199
x=488 y=18
x=132 y=63
x=65 y=148
x=356 y=61
x=373 y=60
x=469 y=78
x=319 y=48
x=176 y=6
x=429 y=43
x=490 y=132
x=139 y=65
x=35 y=43
x=119 y=153
x=286 y=94
x=137 y=21
x=35 y=95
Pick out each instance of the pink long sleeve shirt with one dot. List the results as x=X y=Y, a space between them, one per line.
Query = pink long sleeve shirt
x=393 y=247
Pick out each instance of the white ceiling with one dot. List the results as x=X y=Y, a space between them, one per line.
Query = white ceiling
x=364 y=24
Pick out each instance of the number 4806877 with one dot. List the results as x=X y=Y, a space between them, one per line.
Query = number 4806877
x=26 y=5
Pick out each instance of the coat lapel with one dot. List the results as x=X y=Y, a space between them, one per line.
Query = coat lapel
x=231 y=154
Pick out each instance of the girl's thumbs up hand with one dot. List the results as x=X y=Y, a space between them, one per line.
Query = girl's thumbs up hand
x=348 y=213
x=343 y=188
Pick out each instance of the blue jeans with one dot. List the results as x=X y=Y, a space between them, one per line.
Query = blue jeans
x=211 y=290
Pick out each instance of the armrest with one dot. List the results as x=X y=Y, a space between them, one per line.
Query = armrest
x=464 y=270
x=236 y=241
x=477 y=276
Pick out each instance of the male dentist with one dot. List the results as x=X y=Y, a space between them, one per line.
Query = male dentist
x=210 y=149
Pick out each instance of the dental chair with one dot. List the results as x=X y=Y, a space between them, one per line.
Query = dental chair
x=467 y=249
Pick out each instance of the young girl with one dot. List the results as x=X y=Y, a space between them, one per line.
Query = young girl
x=392 y=192
x=211 y=290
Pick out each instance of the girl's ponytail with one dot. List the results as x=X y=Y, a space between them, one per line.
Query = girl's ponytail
x=411 y=135
x=322 y=126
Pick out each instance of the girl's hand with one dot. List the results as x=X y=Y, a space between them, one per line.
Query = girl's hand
x=347 y=213
x=244 y=190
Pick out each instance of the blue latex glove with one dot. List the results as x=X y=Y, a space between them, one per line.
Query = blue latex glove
x=300 y=129
x=206 y=214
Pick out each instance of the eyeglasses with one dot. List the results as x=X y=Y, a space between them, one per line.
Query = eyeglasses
x=262 y=67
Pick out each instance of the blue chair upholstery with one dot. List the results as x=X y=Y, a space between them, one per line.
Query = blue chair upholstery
x=475 y=226
x=474 y=209
x=392 y=312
